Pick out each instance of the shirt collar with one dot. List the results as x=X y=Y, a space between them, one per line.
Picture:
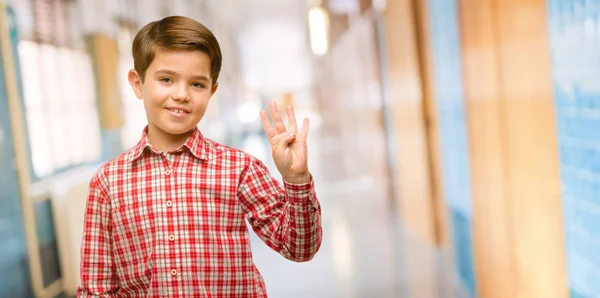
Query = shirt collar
x=196 y=144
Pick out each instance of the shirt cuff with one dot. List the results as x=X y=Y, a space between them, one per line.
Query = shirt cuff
x=301 y=193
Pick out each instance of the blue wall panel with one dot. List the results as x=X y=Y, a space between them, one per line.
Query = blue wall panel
x=14 y=260
x=443 y=18
x=48 y=247
x=575 y=46
x=14 y=265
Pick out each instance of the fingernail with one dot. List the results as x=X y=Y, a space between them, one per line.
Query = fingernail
x=292 y=134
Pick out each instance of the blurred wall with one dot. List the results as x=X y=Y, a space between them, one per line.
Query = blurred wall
x=448 y=94
x=13 y=249
x=348 y=89
x=574 y=30
x=514 y=149
x=485 y=65
x=413 y=180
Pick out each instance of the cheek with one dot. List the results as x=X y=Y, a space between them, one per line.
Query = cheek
x=201 y=101
x=152 y=99
x=156 y=93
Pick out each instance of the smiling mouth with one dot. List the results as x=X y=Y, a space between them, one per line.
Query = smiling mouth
x=177 y=112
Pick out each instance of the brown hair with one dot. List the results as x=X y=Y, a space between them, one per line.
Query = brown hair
x=175 y=33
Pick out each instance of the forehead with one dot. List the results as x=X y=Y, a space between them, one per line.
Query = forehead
x=183 y=62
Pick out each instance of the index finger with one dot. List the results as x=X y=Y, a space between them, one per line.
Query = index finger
x=304 y=131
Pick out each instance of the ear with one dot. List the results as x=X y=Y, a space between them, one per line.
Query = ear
x=214 y=89
x=136 y=83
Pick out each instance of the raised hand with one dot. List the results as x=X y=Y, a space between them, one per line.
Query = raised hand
x=288 y=146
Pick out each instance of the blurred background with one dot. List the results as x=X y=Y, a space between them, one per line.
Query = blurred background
x=454 y=143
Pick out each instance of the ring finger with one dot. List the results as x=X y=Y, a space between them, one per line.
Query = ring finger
x=279 y=126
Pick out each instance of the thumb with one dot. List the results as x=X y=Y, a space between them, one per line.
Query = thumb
x=284 y=141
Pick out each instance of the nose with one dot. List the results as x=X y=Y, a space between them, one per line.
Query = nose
x=181 y=93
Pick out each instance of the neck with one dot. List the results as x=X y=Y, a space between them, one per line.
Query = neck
x=165 y=142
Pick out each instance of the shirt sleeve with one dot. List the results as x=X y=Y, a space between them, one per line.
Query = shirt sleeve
x=98 y=274
x=288 y=218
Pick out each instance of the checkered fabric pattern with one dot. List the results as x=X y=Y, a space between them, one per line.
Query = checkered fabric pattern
x=173 y=224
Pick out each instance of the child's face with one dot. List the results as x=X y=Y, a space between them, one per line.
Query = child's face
x=176 y=90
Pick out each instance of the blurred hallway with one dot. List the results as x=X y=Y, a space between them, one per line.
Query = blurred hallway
x=453 y=142
x=365 y=253
x=273 y=51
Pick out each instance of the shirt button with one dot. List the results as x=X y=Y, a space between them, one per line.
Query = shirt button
x=172 y=238
x=174 y=272
x=168 y=172
x=169 y=203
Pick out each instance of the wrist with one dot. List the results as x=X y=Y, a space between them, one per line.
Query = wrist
x=297 y=179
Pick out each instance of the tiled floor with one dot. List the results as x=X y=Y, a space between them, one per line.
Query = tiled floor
x=365 y=254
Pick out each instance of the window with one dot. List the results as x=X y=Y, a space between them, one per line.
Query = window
x=58 y=89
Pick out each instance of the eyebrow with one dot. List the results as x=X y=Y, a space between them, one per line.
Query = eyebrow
x=172 y=73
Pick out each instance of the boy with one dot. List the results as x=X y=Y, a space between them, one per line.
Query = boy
x=167 y=217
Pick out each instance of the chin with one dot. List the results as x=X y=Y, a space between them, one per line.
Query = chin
x=177 y=129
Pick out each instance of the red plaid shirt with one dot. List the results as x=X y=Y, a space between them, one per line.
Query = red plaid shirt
x=173 y=224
